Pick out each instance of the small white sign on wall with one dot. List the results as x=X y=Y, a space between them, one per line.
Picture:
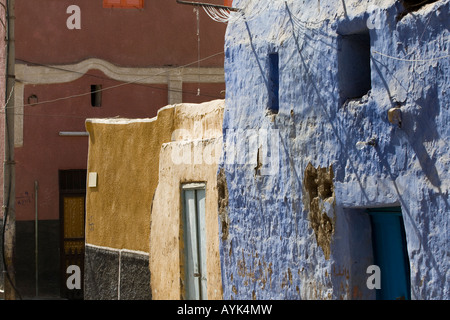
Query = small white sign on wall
x=92 y=179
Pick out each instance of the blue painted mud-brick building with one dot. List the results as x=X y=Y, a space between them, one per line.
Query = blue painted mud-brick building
x=336 y=150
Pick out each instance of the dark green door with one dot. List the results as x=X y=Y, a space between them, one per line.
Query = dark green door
x=390 y=253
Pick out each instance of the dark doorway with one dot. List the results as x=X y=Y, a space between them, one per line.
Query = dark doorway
x=72 y=188
x=390 y=253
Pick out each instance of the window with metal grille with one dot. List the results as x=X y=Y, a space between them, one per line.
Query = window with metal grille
x=72 y=181
x=123 y=4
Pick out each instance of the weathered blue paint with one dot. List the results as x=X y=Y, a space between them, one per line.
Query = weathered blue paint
x=290 y=233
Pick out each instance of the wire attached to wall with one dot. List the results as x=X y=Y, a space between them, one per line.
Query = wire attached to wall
x=302 y=26
x=8 y=160
x=197 y=13
x=136 y=81
x=105 y=78
x=218 y=14
x=412 y=60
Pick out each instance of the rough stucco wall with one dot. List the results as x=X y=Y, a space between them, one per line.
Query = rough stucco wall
x=114 y=34
x=125 y=157
x=192 y=157
x=270 y=249
x=130 y=157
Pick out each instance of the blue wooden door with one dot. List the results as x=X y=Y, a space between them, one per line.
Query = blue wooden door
x=390 y=253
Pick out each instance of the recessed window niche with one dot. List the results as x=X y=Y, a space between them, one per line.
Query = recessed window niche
x=354 y=65
x=96 y=95
x=273 y=83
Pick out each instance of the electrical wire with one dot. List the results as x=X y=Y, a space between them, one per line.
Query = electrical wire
x=47 y=115
x=6 y=206
x=109 y=79
x=303 y=26
x=251 y=11
x=218 y=14
x=411 y=60
x=136 y=81
x=197 y=13
x=8 y=160
x=10 y=95
x=166 y=89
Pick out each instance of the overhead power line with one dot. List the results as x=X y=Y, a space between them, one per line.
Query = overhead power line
x=135 y=81
x=411 y=60
x=107 y=78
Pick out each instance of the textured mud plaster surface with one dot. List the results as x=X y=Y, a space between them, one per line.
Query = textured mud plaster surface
x=101 y=274
x=124 y=154
x=192 y=156
x=319 y=202
x=289 y=236
x=130 y=157
x=167 y=258
x=222 y=190
x=113 y=275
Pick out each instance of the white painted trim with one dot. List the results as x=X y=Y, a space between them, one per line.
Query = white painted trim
x=195 y=108
x=193 y=185
x=117 y=250
x=173 y=77
x=151 y=75
x=119 y=120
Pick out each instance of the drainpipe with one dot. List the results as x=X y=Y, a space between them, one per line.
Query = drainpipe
x=36 y=235
x=9 y=195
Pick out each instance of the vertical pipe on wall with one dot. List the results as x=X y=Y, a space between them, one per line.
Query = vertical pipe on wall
x=36 y=235
x=9 y=215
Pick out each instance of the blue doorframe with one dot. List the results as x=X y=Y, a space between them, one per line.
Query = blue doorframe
x=390 y=253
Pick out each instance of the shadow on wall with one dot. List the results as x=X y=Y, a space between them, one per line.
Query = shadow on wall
x=419 y=124
x=339 y=135
x=412 y=6
x=420 y=128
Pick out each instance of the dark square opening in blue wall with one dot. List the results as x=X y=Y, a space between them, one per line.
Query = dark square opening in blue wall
x=354 y=73
x=274 y=82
